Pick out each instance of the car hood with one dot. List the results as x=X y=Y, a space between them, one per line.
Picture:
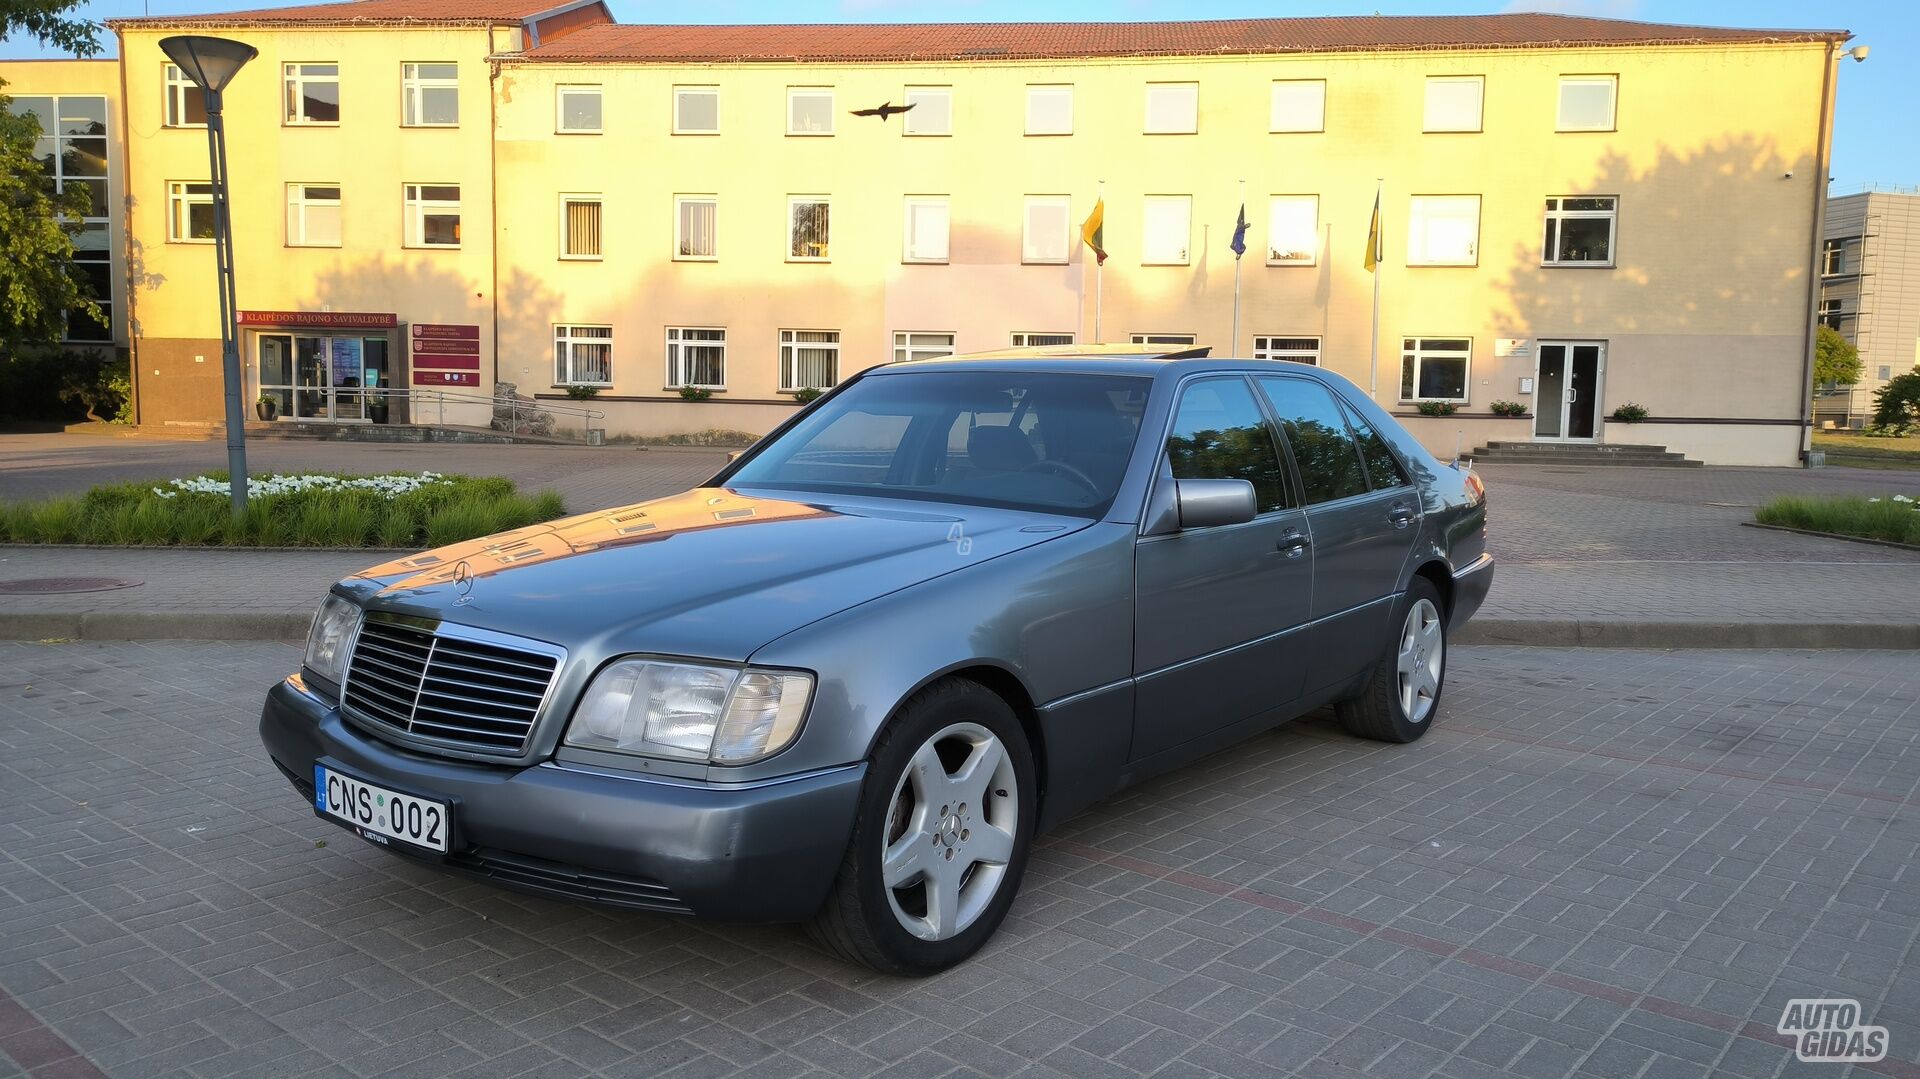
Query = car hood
x=712 y=572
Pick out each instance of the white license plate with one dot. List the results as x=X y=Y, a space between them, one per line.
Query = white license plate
x=379 y=814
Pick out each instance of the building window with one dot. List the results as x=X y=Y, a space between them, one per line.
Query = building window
x=186 y=102
x=1453 y=102
x=914 y=345
x=583 y=355
x=1586 y=102
x=577 y=110
x=1579 y=231
x=1166 y=226
x=931 y=111
x=433 y=215
x=1040 y=340
x=1833 y=258
x=72 y=152
x=809 y=359
x=1886 y=372
x=1181 y=340
x=189 y=213
x=809 y=228
x=580 y=227
x=696 y=357
x=1045 y=229
x=1299 y=105
x=1293 y=230
x=312 y=93
x=1292 y=349
x=1443 y=230
x=696 y=227
x=696 y=110
x=809 y=110
x=1831 y=315
x=1173 y=108
x=927 y=220
x=1050 y=109
x=1435 y=368
x=313 y=215
x=430 y=94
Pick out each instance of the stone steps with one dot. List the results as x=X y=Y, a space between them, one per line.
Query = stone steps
x=291 y=430
x=1581 y=455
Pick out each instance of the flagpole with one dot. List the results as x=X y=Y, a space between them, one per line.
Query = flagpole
x=1234 y=348
x=1373 y=376
x=1099 y=271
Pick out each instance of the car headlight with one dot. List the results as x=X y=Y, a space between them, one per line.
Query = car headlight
x=690 y=711
x=333 y=626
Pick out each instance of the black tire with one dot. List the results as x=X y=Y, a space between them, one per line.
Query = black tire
x=858 y=921
x=1377 y=711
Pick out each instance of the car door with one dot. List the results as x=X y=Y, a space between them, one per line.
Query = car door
x=1363 y=515
x=1214 y=605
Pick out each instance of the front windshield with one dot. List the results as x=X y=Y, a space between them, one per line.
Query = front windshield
x=1057 y=443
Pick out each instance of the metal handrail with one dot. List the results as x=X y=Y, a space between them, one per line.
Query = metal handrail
x=440 y=399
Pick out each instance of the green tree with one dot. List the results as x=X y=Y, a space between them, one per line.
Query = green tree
x=1835 y=361
x=1897 y=404
x=38 y=280
x=49 y=21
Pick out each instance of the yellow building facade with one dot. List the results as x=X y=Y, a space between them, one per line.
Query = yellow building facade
x=1576 y=214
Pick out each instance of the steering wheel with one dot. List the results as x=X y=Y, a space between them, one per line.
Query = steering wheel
x=1068 y=471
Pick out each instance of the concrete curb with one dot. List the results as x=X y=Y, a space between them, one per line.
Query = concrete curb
x=1538 y=633
x=1895 y=544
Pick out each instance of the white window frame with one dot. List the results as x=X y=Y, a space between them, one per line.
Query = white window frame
x=677 y=361
x=1148 y=255
x=1279 y=346
x=566 y=336
x=569 y=89
x=1419 y=209
x=1479 y=82
x=416 y=206
x=178 y=86
x=809 y=200
x=913 y=95
x=679 y=236
x=790 y=347
x=413 y=87
x=292 y=82
x=1170 y=90
x=912 y=203
x=1028 y=255
x=179 y=203
x=1412 y=347
x=297 y=203
x=1166 y=340
x=1611 y=82
x=1556 y=212
x=680 y=92
x=1049 y=89
x=906 y=348
x=1284 y=87
x=796 y=92
x=1025 y=338
x=1312 y=256
x=568 y=200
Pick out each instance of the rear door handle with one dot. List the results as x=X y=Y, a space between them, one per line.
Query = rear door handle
x=1400 y=514
x=1293 y=543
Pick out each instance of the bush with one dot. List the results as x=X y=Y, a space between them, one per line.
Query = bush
x=583 y=393
x=312 y=510
x=807 y=394
x=1437 y=408
x=62 y=385
x=694 y=393
x=1895 y=518
x=1630 y=413
x=1508 y=408
x=1896 y=406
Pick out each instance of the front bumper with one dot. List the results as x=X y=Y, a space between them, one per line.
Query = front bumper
x=1471 y=583
x=762 y=852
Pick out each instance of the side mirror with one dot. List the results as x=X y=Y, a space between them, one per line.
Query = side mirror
x=1206 y=503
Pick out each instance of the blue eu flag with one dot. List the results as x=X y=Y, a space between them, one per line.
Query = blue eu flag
x=1239 y=243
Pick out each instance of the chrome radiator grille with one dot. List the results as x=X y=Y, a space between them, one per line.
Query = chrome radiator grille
x=445 y=686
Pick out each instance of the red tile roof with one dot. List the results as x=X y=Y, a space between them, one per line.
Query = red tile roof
x=357 y=13
x=857 y=43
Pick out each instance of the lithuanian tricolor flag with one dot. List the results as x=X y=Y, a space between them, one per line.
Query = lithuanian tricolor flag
x=1373 y=237
x=1091 y=232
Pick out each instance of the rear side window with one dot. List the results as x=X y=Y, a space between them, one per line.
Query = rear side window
x=1219 y=433
x=1383 y=469
x=1323 y=448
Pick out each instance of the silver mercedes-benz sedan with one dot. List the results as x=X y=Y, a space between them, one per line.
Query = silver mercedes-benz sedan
x=947 y=605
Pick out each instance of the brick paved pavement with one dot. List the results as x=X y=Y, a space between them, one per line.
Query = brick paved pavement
x=1604 y=864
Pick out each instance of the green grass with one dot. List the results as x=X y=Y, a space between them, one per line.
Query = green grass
x=132 y=515
x=1845 y=515
x=1868 y=451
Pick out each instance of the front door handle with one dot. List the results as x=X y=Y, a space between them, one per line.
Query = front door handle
x=1293 y=543
x=1400 y=514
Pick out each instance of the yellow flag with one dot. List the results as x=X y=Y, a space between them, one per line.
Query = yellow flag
x=1092 y=231
x=1373 y=237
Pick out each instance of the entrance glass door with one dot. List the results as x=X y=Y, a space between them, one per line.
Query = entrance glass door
x=1566 y=399
x=311 y=377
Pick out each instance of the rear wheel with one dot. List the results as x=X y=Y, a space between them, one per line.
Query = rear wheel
x=1402 y=697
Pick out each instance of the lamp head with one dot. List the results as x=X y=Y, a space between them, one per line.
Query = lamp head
x=211 y=62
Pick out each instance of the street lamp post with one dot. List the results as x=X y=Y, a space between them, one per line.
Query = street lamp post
x=211 y=63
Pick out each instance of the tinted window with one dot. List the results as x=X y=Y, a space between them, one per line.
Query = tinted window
x=1383 y=469
x=1322 y=446
x=1219 y=433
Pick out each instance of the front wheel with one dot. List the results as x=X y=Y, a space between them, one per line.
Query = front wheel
x=1402 y=696
x=946 y=818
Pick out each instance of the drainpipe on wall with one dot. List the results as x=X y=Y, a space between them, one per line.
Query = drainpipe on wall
x=1821 y=156
x=126 y=229
x=493 y=203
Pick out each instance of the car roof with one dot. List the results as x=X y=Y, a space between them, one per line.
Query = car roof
x=1068 y=352
x=1138 y=360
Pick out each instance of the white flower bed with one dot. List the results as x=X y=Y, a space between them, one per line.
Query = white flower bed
x=392 y=485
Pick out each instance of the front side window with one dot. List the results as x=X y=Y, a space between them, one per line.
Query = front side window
x=580 y=227
x=577 y=110
x=1219 y=433
x=1293 y=230
x=1167 y=225
x=186 y=102
x=1435 y=368
x=809 y=228
x=809 y=359
x=1177 y=340
x=1045 y=230
x=1586 y=102
x=1323 y=447
x=1050 y=109
x=915 y=345
x=1382 y=467
x=1022 y=339
x=312 y=93
x=1292 y=349
x=696 y=110
x=1453 y=102
x=430 y=95
x=696 y=227
x=1580 y=231
x=696 y=357
x=583 y=355
x=809 y=110
x=313 y=215
x=433 y=215
x=189 y=213
x=1299 y=105
x=1443 y=230
x=1173 y=108
x=931 y=111
x=927 y=222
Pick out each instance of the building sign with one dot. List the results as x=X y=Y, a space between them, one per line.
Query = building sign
x=357 y=320
x=446 y=378
x=1510 y=346
x=442 y=352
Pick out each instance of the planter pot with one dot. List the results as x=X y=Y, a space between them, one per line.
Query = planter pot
x=377 y=412
x=266 y=410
